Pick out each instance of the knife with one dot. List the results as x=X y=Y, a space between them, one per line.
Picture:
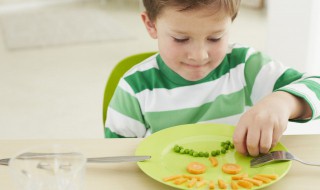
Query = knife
x=109 y=159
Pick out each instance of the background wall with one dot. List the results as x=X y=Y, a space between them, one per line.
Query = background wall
x=293 y=29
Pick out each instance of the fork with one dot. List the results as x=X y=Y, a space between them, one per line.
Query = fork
x=276 y=156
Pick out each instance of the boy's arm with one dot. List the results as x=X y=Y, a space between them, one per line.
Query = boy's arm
x=261 y=127
x=124 y=117
x=277 y=94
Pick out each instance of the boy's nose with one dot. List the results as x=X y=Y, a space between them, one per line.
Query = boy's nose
x=198 y=54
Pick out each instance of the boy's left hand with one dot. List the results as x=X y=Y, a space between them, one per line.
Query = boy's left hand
x=261 y=127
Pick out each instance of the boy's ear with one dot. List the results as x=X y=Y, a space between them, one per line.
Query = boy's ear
x=150 y=26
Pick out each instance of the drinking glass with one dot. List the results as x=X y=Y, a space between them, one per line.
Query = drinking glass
x=49 y=167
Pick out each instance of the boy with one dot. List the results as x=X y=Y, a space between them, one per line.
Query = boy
x=198 y=77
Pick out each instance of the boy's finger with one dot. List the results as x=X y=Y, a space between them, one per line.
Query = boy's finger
x=239 y=139
x=253 y=140
x=266 y=139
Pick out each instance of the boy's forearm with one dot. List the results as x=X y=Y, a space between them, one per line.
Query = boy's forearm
x=299 y=108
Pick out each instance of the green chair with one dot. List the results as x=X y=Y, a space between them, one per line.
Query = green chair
x=118 y=71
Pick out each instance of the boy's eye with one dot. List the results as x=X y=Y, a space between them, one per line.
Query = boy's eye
x=214 y=39
x=180 y=40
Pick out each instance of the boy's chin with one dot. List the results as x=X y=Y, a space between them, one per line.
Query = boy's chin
x=194 y=77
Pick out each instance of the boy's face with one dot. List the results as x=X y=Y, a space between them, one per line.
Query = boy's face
x=193 y=42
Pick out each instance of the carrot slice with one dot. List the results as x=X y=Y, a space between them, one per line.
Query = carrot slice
x=270 y=176
x=196 y=168
x=190 y=177
x=239 y=176
x=264 y=179
x=213 y=161
x=245 y=184
x=222 y=184
x=231 y=168
x=211 y=184
x=234 y=185
x=201 y=183
x=253 y=181
x=170 y=178
x=192 y=182
x=180 y=181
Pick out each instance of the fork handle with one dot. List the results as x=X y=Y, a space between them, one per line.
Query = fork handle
x=307 y=163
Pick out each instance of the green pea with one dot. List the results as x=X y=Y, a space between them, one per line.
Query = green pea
x=223 y=151
x=232 y=146
x=213 y=153
x=218 y=152
x=201 y=154
x=206 y=154
x=228 y=142
x=182 y=151
x=186 y=151
x=195 y=154
x=176 y=149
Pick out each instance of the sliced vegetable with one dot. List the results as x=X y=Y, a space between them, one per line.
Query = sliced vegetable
x=201 y=183
x=239 y=176
x=245 y=184
x=196 y=168
x=222 y=184
x=170 y=178
x=261 y=178
x=180 y=181
x=234 y=185
x=270 y=176
x=230 y=168
x=211 y=184
x=253 y=181
x=213 y=161
x=192 y=182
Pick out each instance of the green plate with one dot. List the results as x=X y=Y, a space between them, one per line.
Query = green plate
x=165 y=162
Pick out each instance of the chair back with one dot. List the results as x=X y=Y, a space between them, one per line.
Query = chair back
x=118 y=71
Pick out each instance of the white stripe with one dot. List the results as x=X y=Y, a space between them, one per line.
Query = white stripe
x=232 y=120
x=126 y=87
x=308 y=94
x=265 y=80
x=317 y=80
x=191 y=96
x=123 y=125
x=147 y=64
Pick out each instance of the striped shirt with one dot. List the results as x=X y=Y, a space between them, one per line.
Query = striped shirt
x=151 y=97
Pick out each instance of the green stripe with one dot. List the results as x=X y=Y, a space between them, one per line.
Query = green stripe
x=252 y=67
x=154 y=78
x=223 y=106
x=286 y=78
x=313 y=86
x=126 y=104
x=110 y=134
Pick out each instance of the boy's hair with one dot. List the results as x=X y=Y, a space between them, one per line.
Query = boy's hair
x=154 y=7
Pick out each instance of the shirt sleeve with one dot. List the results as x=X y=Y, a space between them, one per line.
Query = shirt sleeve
x=264 y=76
x=124 y=116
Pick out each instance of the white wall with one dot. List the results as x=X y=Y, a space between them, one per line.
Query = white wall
x=293 y=33
x=293 y=37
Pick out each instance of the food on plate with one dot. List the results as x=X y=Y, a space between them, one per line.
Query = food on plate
x=261 y=178
x=245 y=184
x=253 y=181
x=230 y=168
x=234 y=185
x=211 y=184
x=196 y=168
x=270 y=176
x=170 y=178
x=214 y=161
x=225 y=146
x=239 y=176
x=222 y=184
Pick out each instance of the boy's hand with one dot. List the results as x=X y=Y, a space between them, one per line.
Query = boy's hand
x=261 y=127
